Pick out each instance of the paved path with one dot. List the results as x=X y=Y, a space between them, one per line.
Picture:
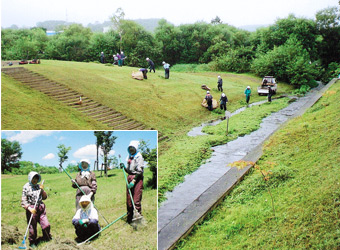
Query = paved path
x=203 y=189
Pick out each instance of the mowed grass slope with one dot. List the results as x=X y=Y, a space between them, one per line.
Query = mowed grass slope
x=305 y=164
x=110 y=201
x=26 y=108
x=169 y=105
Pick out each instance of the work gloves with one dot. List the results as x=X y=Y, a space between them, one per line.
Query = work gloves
x=131 y=184
x=32 y=210
x=83 y=222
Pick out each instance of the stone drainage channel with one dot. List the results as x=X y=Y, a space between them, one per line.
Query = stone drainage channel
x=202 y=190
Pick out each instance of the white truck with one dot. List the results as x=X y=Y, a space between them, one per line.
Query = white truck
x=267 y=81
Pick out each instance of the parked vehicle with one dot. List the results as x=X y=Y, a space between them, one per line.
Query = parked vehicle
x=267 y=81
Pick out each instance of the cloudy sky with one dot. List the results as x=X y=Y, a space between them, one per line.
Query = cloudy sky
x=41 y=146
x=237 y=13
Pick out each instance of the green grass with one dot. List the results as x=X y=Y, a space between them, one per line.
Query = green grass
x=169 y=105
x=185 y=154
x=110 y=201
x=25 y=108
x=305 y=186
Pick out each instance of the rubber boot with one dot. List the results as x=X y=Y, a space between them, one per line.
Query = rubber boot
x=46 y=234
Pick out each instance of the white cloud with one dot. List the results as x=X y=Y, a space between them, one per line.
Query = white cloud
x=49 y=156
x=89 y=151
x=28 y=136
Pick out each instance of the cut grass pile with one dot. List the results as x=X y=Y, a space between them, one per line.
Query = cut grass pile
x=171 y=106
x=60 y=205
x=305 y=184
x=186 y=154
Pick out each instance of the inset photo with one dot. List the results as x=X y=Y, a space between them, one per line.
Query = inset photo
x=79 y=189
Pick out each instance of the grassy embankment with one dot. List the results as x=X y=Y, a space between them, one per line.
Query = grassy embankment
x=304 y=160
x=169 y=105
x=110 y=201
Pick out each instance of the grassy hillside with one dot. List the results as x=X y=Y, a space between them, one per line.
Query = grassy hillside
x=24 y=108
x=171 y=106
x=304 y=160
x=110 y=201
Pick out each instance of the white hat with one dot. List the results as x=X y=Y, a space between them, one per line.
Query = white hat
x=248 y=87
x=163 y=62
x=223 y=94
x=84 y=164
x=219 y=76
x=147 y=59
x=208 y=92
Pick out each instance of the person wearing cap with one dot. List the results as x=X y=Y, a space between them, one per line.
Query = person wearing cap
x=135 y=170
x=209 y=99
x=223 y=102
x=247 y=93
x=86 y=180
x=219 y=83
x=31 y=193
x=102 y=57
x=166 y=67
x=122 y=57
x=85 y=221
x=151 y=65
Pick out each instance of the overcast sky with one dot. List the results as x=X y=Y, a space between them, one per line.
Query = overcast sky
x=234 y=12
x=41 y=146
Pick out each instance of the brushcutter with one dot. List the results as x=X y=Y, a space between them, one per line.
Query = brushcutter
x=83 y=193
x=23 y=244
x=136 y=215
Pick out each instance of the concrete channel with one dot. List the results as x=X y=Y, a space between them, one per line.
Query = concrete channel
x=213 y=180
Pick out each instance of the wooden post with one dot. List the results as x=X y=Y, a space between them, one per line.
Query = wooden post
x=227 y=115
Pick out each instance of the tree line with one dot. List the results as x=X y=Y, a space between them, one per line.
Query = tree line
x=296 y=50
x=11 y=153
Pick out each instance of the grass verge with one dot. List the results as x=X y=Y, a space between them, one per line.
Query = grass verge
x=304 y=160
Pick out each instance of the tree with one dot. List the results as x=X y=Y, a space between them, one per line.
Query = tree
x=99 y=142
x=108 y=142
x=150 y=156
x=62 y=155
x=216 y=20
x=10 y=155
x=117 y=19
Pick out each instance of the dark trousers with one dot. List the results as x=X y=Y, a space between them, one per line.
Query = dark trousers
x=223 y=106
x=84 y=233
x=210 y=106
x=136 y=192
x=220 y=88
x=152 y=68
x=247 y=98
x=167 y=73
x=269 y=98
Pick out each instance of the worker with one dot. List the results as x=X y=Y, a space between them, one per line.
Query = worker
x=85 y=221
x=270 y=94
x=102 y=57
x=247 y=93
x=209 y=99
x=219 y=83
x=31 y=193
x=151 y=65
x=86 y=180
x=135 y=170
x=223 y=102
x=166 y=67
x=145 y=72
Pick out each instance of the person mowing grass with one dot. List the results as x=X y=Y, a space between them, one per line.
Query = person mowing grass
x=30 y=193
x=86 y=180
x=85 y=221
x=135 y=170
